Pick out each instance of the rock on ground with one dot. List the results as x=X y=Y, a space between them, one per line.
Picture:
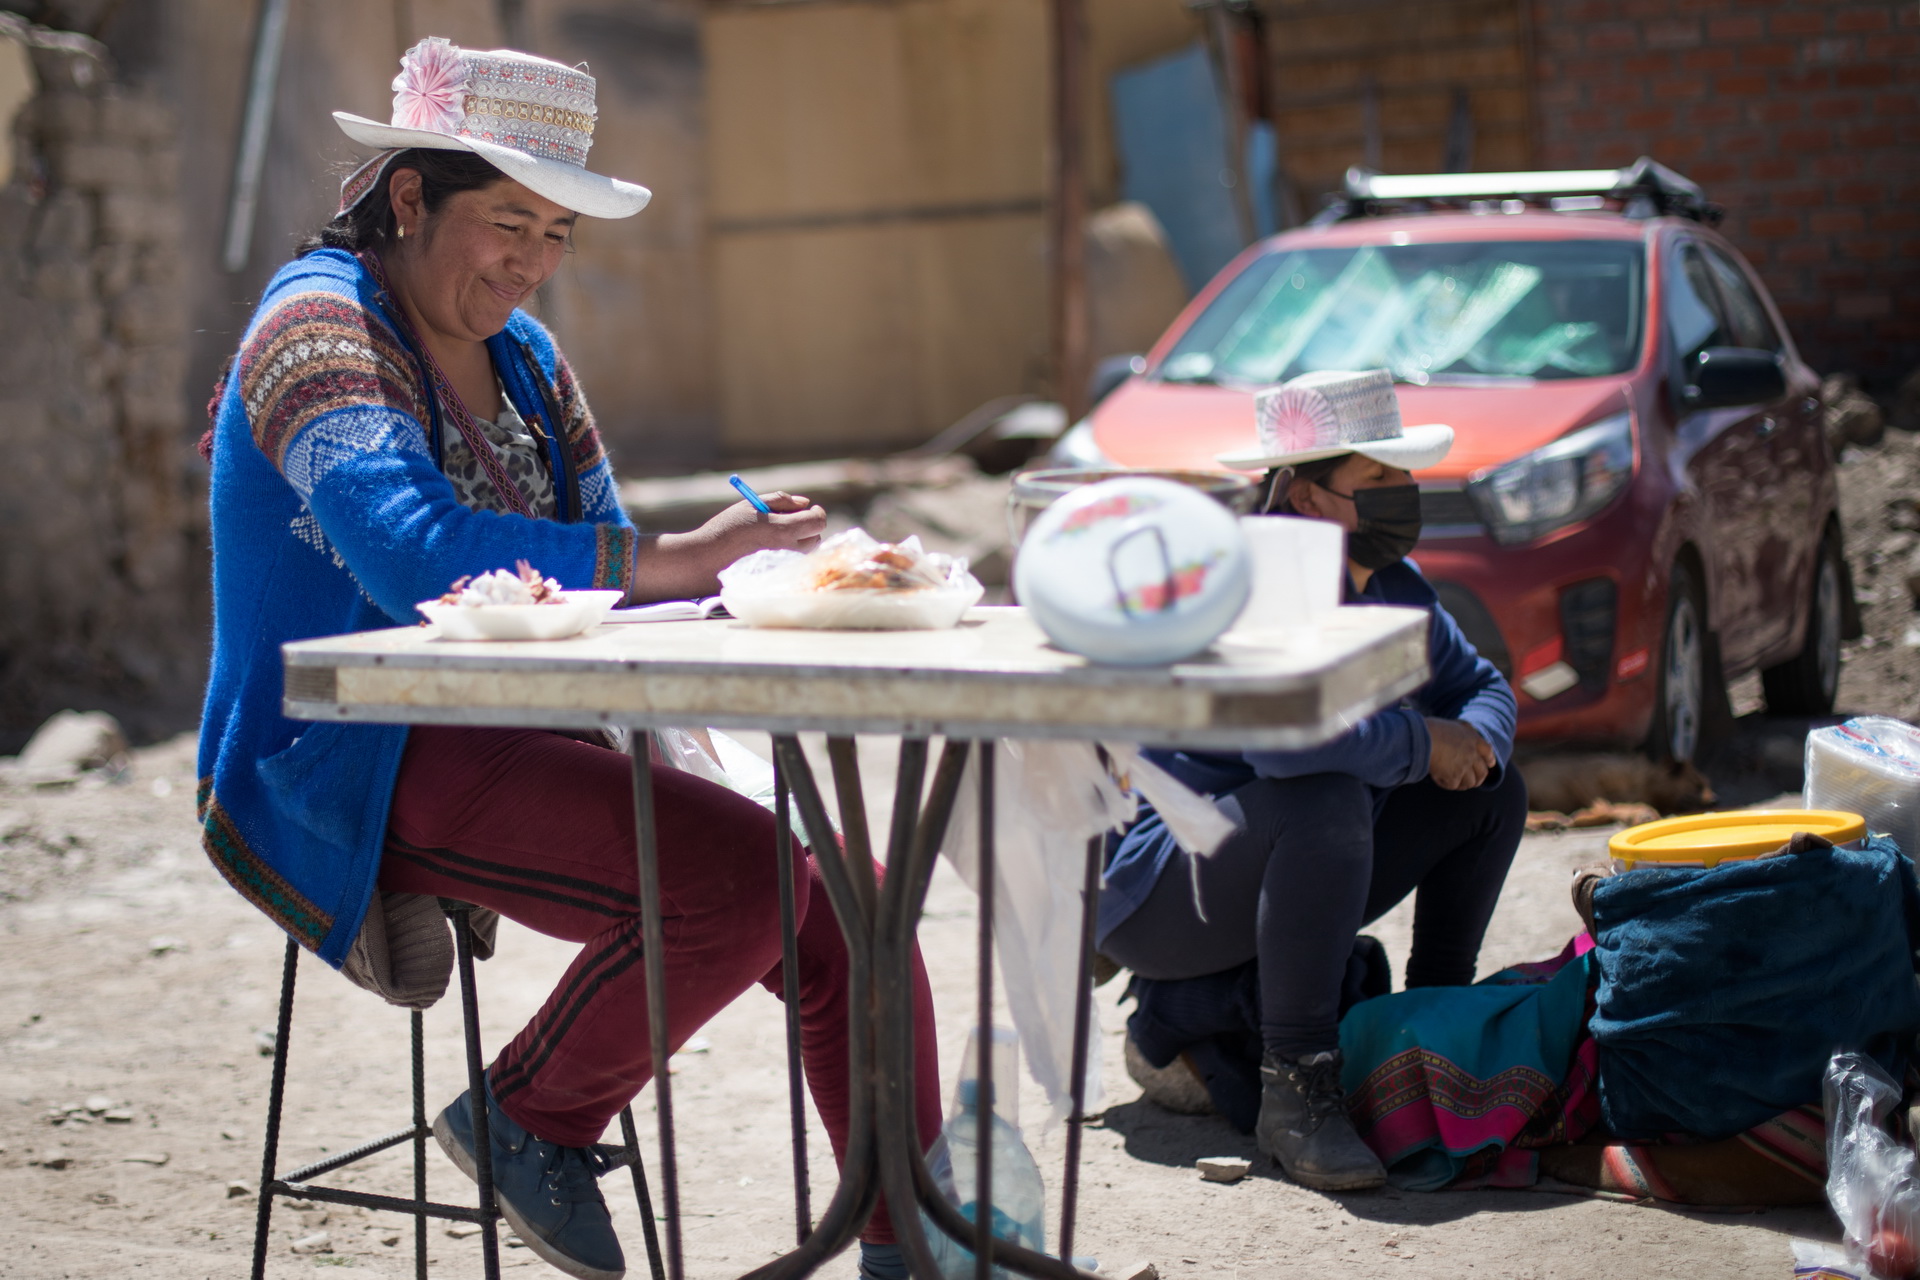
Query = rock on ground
x=69 y=744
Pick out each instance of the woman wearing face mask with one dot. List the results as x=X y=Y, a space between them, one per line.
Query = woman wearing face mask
x=1416 y=798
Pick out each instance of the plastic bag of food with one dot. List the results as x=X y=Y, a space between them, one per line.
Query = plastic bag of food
x=1870 y=766
x=1871 y=1179
x=851 y=582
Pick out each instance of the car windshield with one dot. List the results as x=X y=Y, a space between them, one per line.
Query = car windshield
x=1465 y=312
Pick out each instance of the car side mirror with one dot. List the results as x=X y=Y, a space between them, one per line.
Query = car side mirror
x=1726 y=376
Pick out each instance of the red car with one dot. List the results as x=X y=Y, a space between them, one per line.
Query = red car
x=1639 y=504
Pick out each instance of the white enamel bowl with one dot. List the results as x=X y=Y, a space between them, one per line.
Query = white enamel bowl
x=1134 y=572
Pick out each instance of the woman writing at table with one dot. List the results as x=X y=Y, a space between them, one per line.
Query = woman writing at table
x=1416 y=798
x=391 y=422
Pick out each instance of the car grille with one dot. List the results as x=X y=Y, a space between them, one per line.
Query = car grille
x=1448 y=513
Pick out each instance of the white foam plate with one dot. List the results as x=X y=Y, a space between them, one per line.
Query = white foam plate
x=581 y=611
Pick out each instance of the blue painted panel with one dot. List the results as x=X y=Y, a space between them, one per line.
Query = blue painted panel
x=1173 y=149
x=1263 y=153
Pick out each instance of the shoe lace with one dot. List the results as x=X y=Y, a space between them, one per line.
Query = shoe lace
x=572 y=1174
x=1320 y=1082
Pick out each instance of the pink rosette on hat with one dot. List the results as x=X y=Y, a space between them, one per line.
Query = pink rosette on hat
x=428 y=92
x=1295 y=418
x=1331 y=412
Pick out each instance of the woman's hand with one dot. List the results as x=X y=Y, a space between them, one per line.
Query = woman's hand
x=795 y=524
x=1461 y=758
x=678 y=566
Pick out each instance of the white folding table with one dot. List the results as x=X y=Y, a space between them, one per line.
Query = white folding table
x=994 y=676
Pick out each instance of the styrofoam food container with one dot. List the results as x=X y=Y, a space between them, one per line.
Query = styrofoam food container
x=580 y=611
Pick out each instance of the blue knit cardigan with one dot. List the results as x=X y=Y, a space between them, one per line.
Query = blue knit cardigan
x=330 y=515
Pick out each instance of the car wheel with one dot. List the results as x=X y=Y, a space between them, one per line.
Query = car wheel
x=1805 y=684
x=1681 y=697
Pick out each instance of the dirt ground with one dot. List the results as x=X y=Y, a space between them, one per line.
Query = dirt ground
x=130 y=973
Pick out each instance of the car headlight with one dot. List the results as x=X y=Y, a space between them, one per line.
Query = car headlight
x=1077 y=448
x=1554 y=486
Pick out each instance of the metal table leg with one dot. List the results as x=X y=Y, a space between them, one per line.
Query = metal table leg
x=908 y=1178
x=1082 y=1027
x=790 y=988
x=859 y=1189
x=878 y=922
x=983 y=1092
x=654 y=940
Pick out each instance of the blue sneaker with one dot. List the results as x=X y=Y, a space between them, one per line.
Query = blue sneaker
x=549 y=1194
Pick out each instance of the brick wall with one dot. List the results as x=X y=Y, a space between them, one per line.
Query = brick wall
x=1801 y=117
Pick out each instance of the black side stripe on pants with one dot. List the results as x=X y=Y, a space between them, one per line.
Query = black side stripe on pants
x=518 y=1075
x=441 y=862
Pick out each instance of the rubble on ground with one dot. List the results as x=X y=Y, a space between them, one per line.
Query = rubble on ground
x=1849 y=415
x=1906 y=404
x=1880 y=518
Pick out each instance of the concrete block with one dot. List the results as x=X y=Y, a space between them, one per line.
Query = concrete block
x=95 y=166
x=63 y=117
x=136 y=116
x=144 y=316
x=66 y=228
x=62 y=280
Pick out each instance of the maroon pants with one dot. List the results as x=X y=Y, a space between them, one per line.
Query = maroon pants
x=540 y=828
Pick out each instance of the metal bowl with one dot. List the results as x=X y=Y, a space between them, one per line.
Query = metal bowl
x=1035 y=491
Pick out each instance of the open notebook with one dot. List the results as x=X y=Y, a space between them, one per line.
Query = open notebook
x=672 y=611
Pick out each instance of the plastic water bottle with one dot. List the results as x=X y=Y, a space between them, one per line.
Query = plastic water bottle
x=1018 y=1211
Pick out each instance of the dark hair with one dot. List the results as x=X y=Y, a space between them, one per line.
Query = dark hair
x=370 y=223
x=1319 y=471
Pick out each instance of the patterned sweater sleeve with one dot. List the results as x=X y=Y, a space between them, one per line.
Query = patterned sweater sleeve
x=333 y=401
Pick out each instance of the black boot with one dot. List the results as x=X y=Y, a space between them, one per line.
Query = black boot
x=1303 y=1124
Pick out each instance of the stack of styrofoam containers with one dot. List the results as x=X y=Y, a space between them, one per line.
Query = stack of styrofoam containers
x=1870 y=766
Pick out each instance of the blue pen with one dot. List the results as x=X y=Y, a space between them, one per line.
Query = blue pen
x=746 y=491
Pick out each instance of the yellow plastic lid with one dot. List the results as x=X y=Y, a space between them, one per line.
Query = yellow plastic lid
x=1712 y=838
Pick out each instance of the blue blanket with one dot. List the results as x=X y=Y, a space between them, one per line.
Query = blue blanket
x=1724 y=991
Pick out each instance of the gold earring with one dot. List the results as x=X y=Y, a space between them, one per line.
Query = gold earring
x=403 y=232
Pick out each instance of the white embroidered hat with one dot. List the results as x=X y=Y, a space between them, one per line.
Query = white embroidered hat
x=530 y=118
x=1326 y=414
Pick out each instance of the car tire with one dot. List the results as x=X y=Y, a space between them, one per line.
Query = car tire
x=1806 y=683
x=1680 y=687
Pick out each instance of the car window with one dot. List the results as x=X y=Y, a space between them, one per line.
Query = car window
x=1694 y=320
x=1467 y=311
x=1746 y=314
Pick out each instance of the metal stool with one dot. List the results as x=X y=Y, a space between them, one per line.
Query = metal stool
x=295 y=1184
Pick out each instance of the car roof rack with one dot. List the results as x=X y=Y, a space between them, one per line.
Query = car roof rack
x=1645 y=189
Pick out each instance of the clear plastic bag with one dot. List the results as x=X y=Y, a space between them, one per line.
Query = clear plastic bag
x=1050 y=798
x=1870 y=766
x=1871 y=1178
x=851 y=582
x=731 y=766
